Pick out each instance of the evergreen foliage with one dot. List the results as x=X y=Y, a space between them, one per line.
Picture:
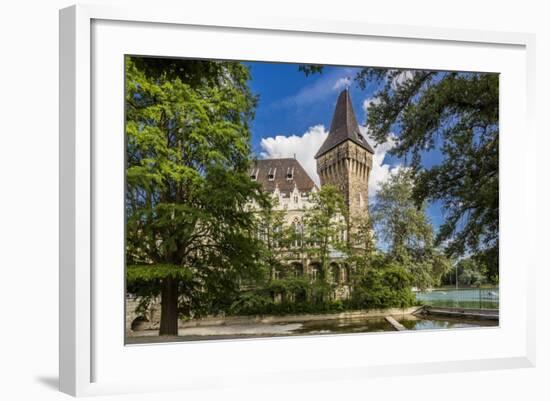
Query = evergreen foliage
x=187 y=154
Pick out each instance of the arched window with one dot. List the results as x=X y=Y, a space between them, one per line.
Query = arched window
x=297 y=269
x=316 y=273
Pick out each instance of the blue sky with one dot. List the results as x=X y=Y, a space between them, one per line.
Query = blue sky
x=290 y=102
x=294 y=114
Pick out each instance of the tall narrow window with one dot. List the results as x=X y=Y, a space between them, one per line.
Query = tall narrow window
x=297 y=233
x=276 y=231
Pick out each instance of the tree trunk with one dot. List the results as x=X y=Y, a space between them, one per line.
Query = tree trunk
x=169 y=307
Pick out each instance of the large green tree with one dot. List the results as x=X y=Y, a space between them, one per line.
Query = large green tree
x=406 y=231
x=189 y=233
x=457 y=115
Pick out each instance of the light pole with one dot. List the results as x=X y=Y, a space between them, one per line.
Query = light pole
x=456 y=276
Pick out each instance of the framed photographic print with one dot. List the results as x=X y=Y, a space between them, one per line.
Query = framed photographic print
x=238 y=194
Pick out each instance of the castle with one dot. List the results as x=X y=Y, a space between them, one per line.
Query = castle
x=344 y=160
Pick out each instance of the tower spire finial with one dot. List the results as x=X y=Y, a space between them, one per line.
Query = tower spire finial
x=343 y=127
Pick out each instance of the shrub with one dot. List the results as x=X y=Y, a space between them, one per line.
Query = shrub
x=250 y=303
x=384 y=287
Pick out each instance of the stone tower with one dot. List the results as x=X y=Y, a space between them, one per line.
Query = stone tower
x=345 y=158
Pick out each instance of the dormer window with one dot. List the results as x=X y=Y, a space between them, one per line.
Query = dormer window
x=254 y=175
x=290 y=173
x=271 y=174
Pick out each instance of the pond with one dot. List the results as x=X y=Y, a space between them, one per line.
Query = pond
x=370 y=325
x=315 y=327
x=477 y=298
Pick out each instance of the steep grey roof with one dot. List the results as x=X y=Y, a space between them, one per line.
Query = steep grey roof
x=343 y=127
x=286 y=173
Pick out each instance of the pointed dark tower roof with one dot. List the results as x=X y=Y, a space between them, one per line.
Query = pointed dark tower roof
x=343 y=127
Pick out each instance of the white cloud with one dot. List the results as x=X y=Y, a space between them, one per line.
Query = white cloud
x=380 y=172
x=305 y=147
x=342 y=83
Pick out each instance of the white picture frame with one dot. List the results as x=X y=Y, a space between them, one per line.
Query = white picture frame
x=91 y=362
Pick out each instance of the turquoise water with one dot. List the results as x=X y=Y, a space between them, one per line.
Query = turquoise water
x=477 y=298
x=434 y=323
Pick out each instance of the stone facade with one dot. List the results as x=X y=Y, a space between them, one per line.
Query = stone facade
x=347 y=167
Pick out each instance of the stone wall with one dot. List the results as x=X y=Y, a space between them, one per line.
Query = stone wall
x=150 y=320
x=357 y=314
x=144 y=321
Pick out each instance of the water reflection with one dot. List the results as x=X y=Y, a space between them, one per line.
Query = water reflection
x=337 y=326
x=315 y=327
x=433 y=323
